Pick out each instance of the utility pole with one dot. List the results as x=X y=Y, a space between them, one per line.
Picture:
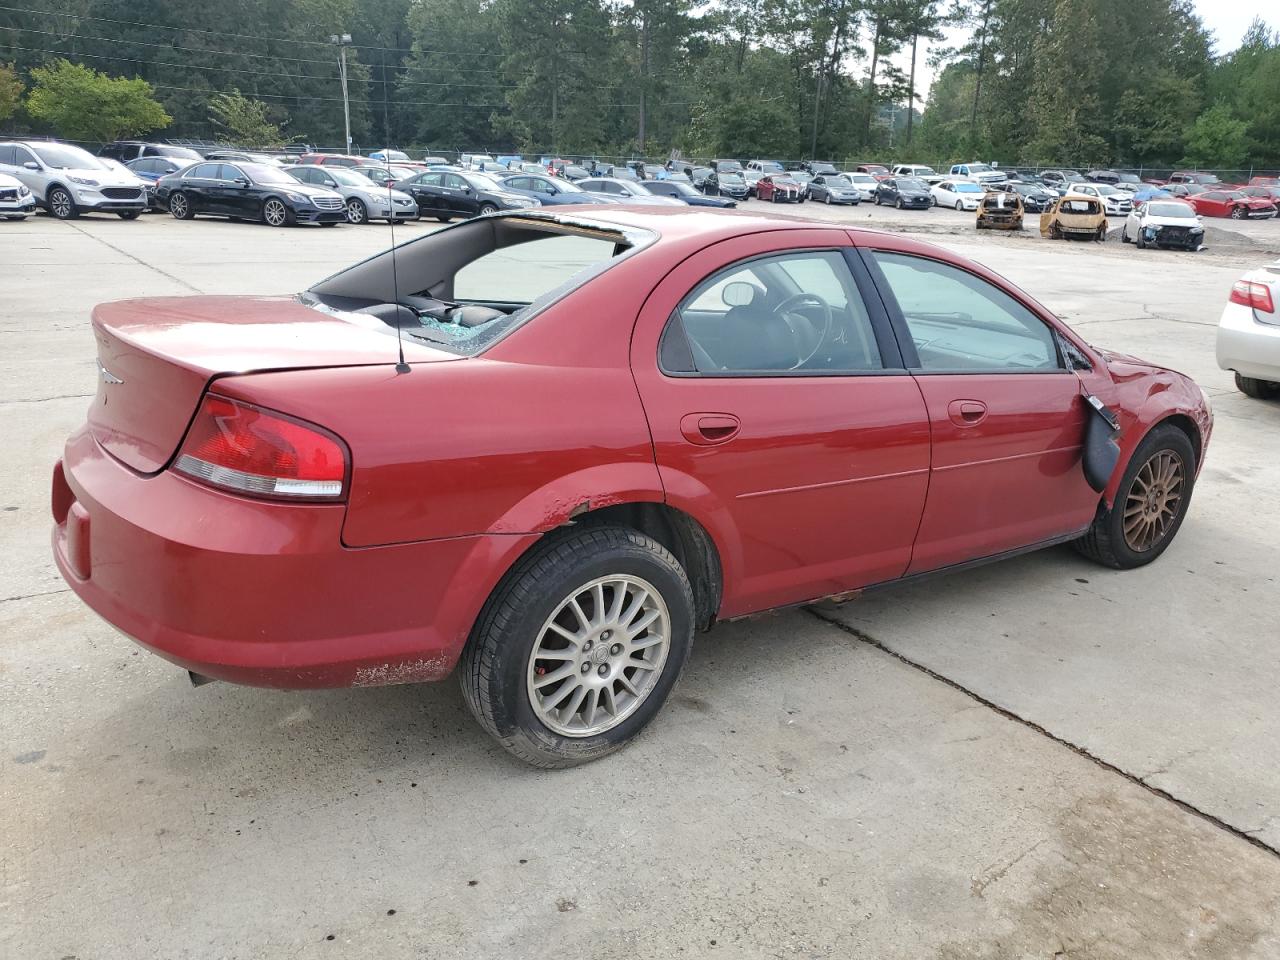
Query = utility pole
x=343 y=41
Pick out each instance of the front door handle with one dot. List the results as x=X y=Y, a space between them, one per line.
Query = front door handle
x=967 y=413
x=706 y=429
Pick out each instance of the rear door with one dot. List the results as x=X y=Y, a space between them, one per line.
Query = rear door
x=782 y=417
x=199 y=184
x=1006 y=413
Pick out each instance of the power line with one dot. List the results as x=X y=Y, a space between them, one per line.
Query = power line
x=400 y=103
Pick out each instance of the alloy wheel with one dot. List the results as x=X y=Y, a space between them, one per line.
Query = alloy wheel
x=355 y=211
x=61 y=205
x=274 y=213
x=599 y=655
x=1154 y=499
x=178 y=206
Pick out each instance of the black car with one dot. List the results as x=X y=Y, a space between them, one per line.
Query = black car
x=126 y=150
x=1035 y=199
x=685 y=192
x=445 y=195
x=819 y=168
x=1060 y=180
x=549 y=191
x=1109 y=177
x=727 y=166
x=247 y=191
x=905 y=193
x=151 y=169
x=722 y=184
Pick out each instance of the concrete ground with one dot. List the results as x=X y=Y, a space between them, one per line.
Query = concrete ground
x=1038 y=759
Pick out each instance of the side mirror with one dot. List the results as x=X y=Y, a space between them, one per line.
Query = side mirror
x=241 y=182
x=31 y=165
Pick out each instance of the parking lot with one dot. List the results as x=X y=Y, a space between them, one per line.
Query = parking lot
x=1039 y=758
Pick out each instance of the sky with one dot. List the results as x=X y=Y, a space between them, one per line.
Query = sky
x=1226 y=19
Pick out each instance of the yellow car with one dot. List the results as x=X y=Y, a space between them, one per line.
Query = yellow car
x=1074 y=216
x=1000 y=211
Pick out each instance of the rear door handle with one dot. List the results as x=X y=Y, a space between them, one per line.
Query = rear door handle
x=967 y=413
x=706 y=429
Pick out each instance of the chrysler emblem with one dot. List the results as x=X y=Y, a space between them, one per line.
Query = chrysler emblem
x=106 y=375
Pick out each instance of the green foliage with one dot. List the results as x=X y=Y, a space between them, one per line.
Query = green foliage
x=82 y=104
x=1217 y=139
x=10 y=91
x=244 y=121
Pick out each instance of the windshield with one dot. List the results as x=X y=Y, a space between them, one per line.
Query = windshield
x=346 y=177
x=967 y=188
x=910 y=183
x=838 y=181
x=770 y=166
x=62 y=156
x=261 y=173
x=800 y=175
x=876 y=168
x=731 y=177
x=1105 y=190
x=1178 y=210
x=1129 y=178
x=862 y=178
x=575 y=171
x=567 y=186
x=979 y=168
x=482 y=181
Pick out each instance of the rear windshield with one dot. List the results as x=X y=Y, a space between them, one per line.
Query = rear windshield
x=1079 y=206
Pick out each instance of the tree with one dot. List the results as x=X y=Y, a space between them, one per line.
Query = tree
x=82 y=104
x=1217 y=139
x=1065 y=109
x=245 y=121
x=10 y=91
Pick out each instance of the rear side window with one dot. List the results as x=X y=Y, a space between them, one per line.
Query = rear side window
x=961 y=323
x=794 y=312
x=204 y=171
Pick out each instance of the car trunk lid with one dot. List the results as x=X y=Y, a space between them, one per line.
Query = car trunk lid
x=156 y=357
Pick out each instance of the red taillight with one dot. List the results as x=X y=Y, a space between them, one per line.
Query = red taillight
x=236 y=446
x=1256 y=295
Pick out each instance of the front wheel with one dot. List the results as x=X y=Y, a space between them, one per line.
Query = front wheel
x=1150 y=504
x=959 y=206
x=276 y=214
x=486 y=208
x=1238 y=213
x=579 y=646
x=356 y=211
x=128 y=214
x=180 y=207
x=62 y=205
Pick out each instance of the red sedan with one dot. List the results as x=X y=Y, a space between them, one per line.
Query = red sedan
x=1233 y=204
x=608 y=431
x=779 y=188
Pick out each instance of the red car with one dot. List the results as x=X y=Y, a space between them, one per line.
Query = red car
x=1231 y=203
x=877 y=170
x=339 y=160
x=609 y=430
x=779 y=188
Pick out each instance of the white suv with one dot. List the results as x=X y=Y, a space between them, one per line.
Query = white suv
x=68 y=181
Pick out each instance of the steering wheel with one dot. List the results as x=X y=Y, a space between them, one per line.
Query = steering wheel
x=805 y=299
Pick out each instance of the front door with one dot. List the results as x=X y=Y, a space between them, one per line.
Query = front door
x=426 y=189
x=782 y=417
x=1008 y=417
x=459 y=196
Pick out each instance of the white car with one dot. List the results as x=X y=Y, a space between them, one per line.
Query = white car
x=68 y=181
x=864 y=183
x=957 y=194
x=364 y=199
x=1164 y=223
x=981 y=172
x=16 y=199
x=627 y=191
x=1249 y=332
x=1117 y=203
x=919 y=172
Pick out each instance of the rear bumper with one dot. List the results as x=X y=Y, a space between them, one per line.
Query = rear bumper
x=262 y=593
x=1247 y=346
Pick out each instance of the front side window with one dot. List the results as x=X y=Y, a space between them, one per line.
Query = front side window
x=961 y=323
x=793 y=312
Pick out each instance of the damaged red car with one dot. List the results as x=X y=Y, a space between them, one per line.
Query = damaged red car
x=608 y=431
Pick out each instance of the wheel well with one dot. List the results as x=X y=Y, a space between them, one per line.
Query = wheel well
x=684 y=536
x=1187 y=426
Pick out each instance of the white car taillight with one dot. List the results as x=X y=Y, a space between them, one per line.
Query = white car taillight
x=1255 y=295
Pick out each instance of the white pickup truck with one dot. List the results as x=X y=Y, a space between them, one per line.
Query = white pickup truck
x=981 y=172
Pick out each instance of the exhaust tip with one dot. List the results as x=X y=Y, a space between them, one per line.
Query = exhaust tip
x=198 y=679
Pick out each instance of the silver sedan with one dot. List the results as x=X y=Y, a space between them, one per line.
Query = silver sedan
x=364 y=199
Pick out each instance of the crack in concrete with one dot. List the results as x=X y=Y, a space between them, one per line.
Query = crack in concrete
x=60 y=396
x=138 y=260
x=28 y=596
x=1245 y=835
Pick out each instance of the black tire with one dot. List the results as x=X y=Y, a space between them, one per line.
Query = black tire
x=494 y=665
x=61 y=204
x=329 y=223
x=443 y=217
x=1238 y=213
x=180 y=206
x=959 y=206
x=272 y=216
x=899 y=203
x=1257 y=389
x=1124 y=234
x=128 y=214
x=1105 y=541
x=486 y=208
x=357 y=212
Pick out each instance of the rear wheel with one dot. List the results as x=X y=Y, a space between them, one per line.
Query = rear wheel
x=180 y=206
x=1124 y=233
x=62 y=205
x=578 y=648
x=1258 y=389
x=443 y=217
x=960 y=206
x=1150 y=504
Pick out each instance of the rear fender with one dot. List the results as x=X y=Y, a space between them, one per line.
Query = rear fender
x=558 y=502
x=686 y=493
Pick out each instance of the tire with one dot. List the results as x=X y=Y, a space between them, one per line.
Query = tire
x=1101 y=235
x=1141 y=242
x=1124 y=234
x=499 y=666
x=1105 y=542
x=129 y=214
x=443 y=217
x=180 y=206
x=486 y=208
x=899 y=203
x=276 y=213
x=1238 y=213
x=61 y=204
x=357 y=212
x=1257 y=389
x=959 y=206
